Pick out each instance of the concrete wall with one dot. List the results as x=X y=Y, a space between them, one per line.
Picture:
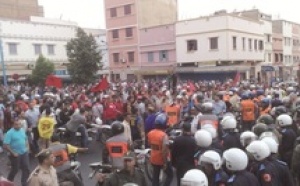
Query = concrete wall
x=223 y=27
x=25 y=34
x=156 y=39
x=156 y=12
x=20 y=9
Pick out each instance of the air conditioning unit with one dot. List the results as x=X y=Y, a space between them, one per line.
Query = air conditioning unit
x=123 y=60
x=31 y=66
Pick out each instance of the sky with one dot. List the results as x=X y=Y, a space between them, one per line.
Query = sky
x=90 y=13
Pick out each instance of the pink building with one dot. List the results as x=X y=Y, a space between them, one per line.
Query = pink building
x=157 y=50
x=126 y=23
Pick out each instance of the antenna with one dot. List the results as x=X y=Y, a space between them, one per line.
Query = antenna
x=61 y=16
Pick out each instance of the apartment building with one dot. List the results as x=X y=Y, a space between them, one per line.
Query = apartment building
x=126 y=23
x=217 y=46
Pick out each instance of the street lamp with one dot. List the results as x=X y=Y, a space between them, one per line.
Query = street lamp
x=3 y=65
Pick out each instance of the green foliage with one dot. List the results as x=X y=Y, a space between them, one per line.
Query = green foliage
x=84 y=58
x=43 y=68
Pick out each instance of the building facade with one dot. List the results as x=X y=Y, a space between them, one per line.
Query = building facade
x=222 y=44
x=20 y=10
x=125 y=20
x=24 y=41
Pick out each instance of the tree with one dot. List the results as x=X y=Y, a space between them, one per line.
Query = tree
x=84 y=58
x=43 y=68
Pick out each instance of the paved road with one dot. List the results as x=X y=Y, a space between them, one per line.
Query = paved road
x=94 y=155
x=85 y=159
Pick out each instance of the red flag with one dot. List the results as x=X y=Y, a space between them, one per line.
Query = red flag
x=237 y=79
x=102 y=85
x=53 y=81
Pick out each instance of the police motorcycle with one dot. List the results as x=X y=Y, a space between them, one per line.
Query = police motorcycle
x=75 y=167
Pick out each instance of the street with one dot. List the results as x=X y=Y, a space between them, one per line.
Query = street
x=93 y=155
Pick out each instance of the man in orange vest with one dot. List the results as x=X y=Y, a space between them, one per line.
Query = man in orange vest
x=116 y=146
x=159 y=142
x=248 y=112
x=173 y=112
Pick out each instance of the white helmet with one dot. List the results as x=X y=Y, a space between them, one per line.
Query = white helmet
x=290 y=89
x=194 y=177
x=229 y=122
x=271 y=143
x=211 y=157
x=130 y=184
x=259 y=150
x=269 y=134
x=99 y=121
x=235 y=159
x=284 y=120
x=209 y=128
x=203 y=138
x=247 y=137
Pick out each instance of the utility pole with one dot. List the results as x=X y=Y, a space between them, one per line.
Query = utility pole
x=3 y=65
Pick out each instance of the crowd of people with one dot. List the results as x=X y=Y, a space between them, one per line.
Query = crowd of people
x=243 y=134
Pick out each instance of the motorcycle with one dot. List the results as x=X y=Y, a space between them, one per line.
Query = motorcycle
x=99 y=167
x=75 y=167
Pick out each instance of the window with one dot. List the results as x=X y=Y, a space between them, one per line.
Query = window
x=261 y=45
x=281 y=57
x=276 y=58
x=234 y=43
x=250 y=44
x=244 y=43
x=128 y=32
x=115 y=34
x=255 y=44
x=127 y=9
x=116 y=57
x=150 y=57
x=12 y=48
x=213 y=41
x=269 y=57
x=192 y=45
x=50 y=49
x=113 y=12
x=130 y=56
x=37 y=49
x=163 y=55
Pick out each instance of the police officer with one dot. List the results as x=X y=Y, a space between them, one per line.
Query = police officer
x=231 y=137
x=116 y=146
x=236 y=162
x=129 y=174
x=203 y=141
x=159 y=157
x=208 y=117
x=44 y=174
x=183 y=149
x=194 y=177
x=211 y=164
x=246 y=138
x=284 y=175
x=264 y=170
x=62 y=162
x=288 y=137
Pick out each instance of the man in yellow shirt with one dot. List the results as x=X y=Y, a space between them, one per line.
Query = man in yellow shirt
x=62 y=161
x=45 y=128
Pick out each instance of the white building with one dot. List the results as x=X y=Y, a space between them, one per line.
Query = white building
x=100 y=37
x=222 y=42
x=24 y=41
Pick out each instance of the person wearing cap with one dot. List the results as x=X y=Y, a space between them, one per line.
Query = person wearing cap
x=44 y=174
x=183 y=150
x=129 y=174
